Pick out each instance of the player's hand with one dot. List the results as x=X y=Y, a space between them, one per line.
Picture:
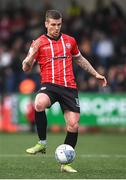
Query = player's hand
x=102 y=80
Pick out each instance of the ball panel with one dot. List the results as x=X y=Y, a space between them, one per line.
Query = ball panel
x=70 y=154
x=61 y=157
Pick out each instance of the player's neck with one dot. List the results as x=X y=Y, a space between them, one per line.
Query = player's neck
x=56 y=38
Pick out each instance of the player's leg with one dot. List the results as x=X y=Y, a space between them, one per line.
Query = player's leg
x=69 y=103
x=42 y=101
x=72 y=119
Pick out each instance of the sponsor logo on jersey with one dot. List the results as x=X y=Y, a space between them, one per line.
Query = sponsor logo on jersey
x=61 y=57
x=46 y=47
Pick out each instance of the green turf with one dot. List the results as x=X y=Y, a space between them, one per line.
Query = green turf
x=100 y=156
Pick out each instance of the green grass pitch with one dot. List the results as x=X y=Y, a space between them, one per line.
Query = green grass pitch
x=99 y=156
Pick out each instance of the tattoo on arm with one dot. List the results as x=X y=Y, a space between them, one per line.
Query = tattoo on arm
x=84 y=64
x=29 y=60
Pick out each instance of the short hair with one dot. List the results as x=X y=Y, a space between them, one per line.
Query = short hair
x=53 y=14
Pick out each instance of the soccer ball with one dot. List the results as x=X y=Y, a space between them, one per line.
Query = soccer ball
x=64 y=154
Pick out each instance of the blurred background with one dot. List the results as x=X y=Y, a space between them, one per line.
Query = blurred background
x=99 y=27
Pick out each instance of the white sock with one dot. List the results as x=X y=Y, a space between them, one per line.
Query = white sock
x=42 y=142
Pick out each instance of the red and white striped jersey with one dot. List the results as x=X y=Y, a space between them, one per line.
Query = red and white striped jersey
x=55 y=60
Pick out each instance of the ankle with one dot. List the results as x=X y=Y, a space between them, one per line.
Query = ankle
x=42 y=142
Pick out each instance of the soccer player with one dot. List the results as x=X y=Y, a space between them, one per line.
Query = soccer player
x=54 y=52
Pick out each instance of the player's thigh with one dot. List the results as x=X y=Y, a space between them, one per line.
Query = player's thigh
x=42 y=101
x=71 y=117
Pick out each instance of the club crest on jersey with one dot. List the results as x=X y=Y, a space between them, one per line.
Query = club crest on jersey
x=68 y=45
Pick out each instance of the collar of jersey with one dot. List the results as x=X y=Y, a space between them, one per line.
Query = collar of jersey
x=55 y=39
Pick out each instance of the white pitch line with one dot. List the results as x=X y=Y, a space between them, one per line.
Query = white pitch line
x=20 y=155
x=81 y=156
x=103 y=156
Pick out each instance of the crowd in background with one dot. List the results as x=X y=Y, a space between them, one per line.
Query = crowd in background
x=101 y=37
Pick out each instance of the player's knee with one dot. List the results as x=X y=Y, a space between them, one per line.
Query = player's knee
x=73 y=126
x=39 y=106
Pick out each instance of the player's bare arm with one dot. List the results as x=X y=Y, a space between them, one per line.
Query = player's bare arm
x=84 y=63
x=29 y=60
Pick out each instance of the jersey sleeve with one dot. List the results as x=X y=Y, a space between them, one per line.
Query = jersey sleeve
x=75 y=51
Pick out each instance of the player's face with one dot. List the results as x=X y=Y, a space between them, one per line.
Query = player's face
x=53 y=27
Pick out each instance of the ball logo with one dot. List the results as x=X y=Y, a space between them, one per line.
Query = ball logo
x=68 y=45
